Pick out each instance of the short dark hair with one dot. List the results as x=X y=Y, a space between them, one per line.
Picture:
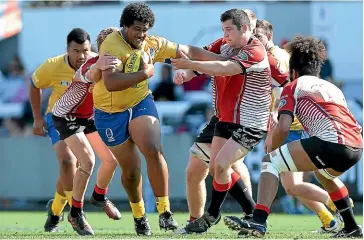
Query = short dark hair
x=307 y=55
x=265 y=25
x=78 y=35
x=137 y=12
x=238 y=16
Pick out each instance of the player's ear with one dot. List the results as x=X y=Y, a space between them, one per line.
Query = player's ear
x=245 y=27
x=269 y=36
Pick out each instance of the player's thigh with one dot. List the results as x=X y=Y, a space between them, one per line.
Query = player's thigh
x=71 y=132
x=99 y=147
x=81 y=147
x=144 y=127
x=216 y=145
x=112 y=127
x=240 y=168
x=127 y=156
x=332 y=159
x=291 y=157
x=201 y=148
x=64 y=154
x=197 y=169
x=231 y=152
x=291 y=179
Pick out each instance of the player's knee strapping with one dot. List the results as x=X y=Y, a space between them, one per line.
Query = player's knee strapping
x=202 y=151
x=326 y=174
x=280 y=161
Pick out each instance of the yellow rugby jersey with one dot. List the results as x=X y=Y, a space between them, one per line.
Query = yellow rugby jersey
x=158 y=48
x=55 y=73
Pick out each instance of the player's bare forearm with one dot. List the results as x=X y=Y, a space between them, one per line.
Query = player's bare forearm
x=199 y=54
x=94 y=74
x=281 y=131
x=118 y=81
x=35 y=98
x=216 y=68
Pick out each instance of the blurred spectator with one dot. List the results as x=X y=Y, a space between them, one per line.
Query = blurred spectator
x=64 y=3
x=16 y=127
x=327 y=72
x=165 y=90
x=15 y=68
x=14 y=88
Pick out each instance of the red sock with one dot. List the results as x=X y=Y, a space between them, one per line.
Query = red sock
x=100 y=190
x=339 y=194
x=234 y=178
x=221 y=187
x=77 y=204
x=192 y=218
x=262 y=207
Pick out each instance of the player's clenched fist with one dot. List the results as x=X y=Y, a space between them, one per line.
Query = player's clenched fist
x=180 y=77
x=38 y=127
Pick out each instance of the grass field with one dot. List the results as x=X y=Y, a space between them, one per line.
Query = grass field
x=29 y=225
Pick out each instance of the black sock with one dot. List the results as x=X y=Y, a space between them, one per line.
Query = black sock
x=261 y=213
x=76 y=208
x=98 y=197
x=219 y=193
x=241 y=194
x=346 y=212
x=99 y=193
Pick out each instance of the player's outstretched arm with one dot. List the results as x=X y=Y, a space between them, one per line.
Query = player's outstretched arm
x=116 y=80
x=213 y=68
x=198 y=54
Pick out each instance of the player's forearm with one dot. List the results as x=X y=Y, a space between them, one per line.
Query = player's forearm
x=279 y=136
x=281 y=131
x=94 y=74
x=119 y=81
x=200 y=54
x=213 y=68
x=35 y=98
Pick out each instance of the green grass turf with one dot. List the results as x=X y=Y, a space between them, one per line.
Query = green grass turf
x=29 y=225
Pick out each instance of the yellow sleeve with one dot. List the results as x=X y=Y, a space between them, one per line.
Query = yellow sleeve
x=164 y=49
x=106 y=47
x=42 y=77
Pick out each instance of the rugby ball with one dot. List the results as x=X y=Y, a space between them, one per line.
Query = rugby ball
x=134 y=61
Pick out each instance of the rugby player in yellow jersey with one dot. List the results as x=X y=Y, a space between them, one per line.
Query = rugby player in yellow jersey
x=57 y=73
x=311 y=195
x=126 y=116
